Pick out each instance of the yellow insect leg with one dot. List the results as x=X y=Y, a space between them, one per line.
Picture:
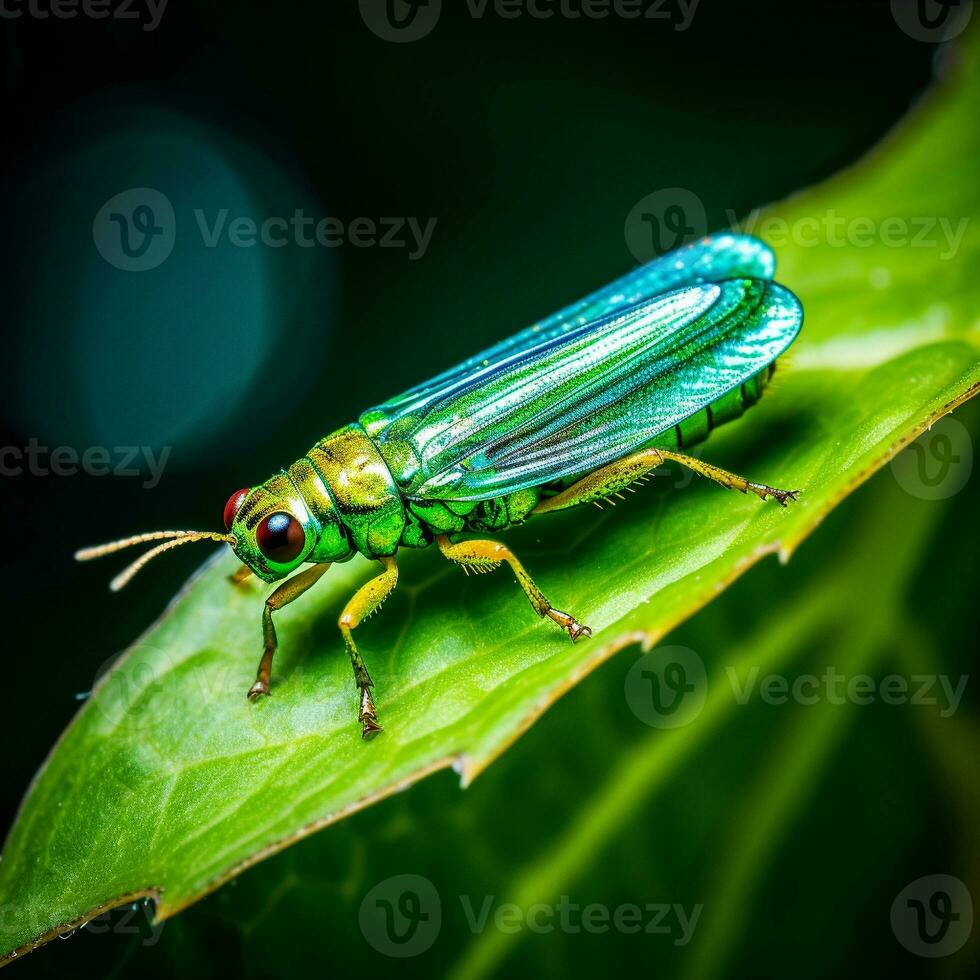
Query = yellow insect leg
x=610 y=480
x=290 y=589
x=485 y=556
x=364 y=603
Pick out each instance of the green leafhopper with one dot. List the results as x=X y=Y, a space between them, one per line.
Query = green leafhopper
x=572 y=410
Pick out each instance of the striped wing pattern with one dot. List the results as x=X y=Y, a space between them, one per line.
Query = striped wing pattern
x=596 y=381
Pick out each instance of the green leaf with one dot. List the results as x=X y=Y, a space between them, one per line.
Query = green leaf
x=769 y=780
x=737 y=813
x=168 y=782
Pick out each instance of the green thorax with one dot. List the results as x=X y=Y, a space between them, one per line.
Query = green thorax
x=353 y=496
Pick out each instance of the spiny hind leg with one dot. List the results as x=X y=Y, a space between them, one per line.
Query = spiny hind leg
x=290 y=589
x=731 y=480
x=485 y=556
x=610 y=480
x=364 y=603
x=604 y=483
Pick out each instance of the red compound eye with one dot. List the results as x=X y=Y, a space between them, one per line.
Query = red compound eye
x=231 y=508
x=280 y=538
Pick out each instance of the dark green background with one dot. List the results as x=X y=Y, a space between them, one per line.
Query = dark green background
x=529 y=141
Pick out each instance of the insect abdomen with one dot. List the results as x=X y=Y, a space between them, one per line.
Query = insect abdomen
x=454 y=516
x=697 y=427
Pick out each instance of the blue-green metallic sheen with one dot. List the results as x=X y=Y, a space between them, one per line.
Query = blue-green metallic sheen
x=686 y=341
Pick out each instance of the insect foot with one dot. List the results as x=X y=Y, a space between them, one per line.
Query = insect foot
x=256 y=691
x=574 y=628
x=368 y=716
x=783 y=495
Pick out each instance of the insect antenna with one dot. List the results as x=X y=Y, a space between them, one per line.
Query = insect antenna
x=170 y=539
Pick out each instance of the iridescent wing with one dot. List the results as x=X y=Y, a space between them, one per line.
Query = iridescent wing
x=710 y=259
x=596 y=381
